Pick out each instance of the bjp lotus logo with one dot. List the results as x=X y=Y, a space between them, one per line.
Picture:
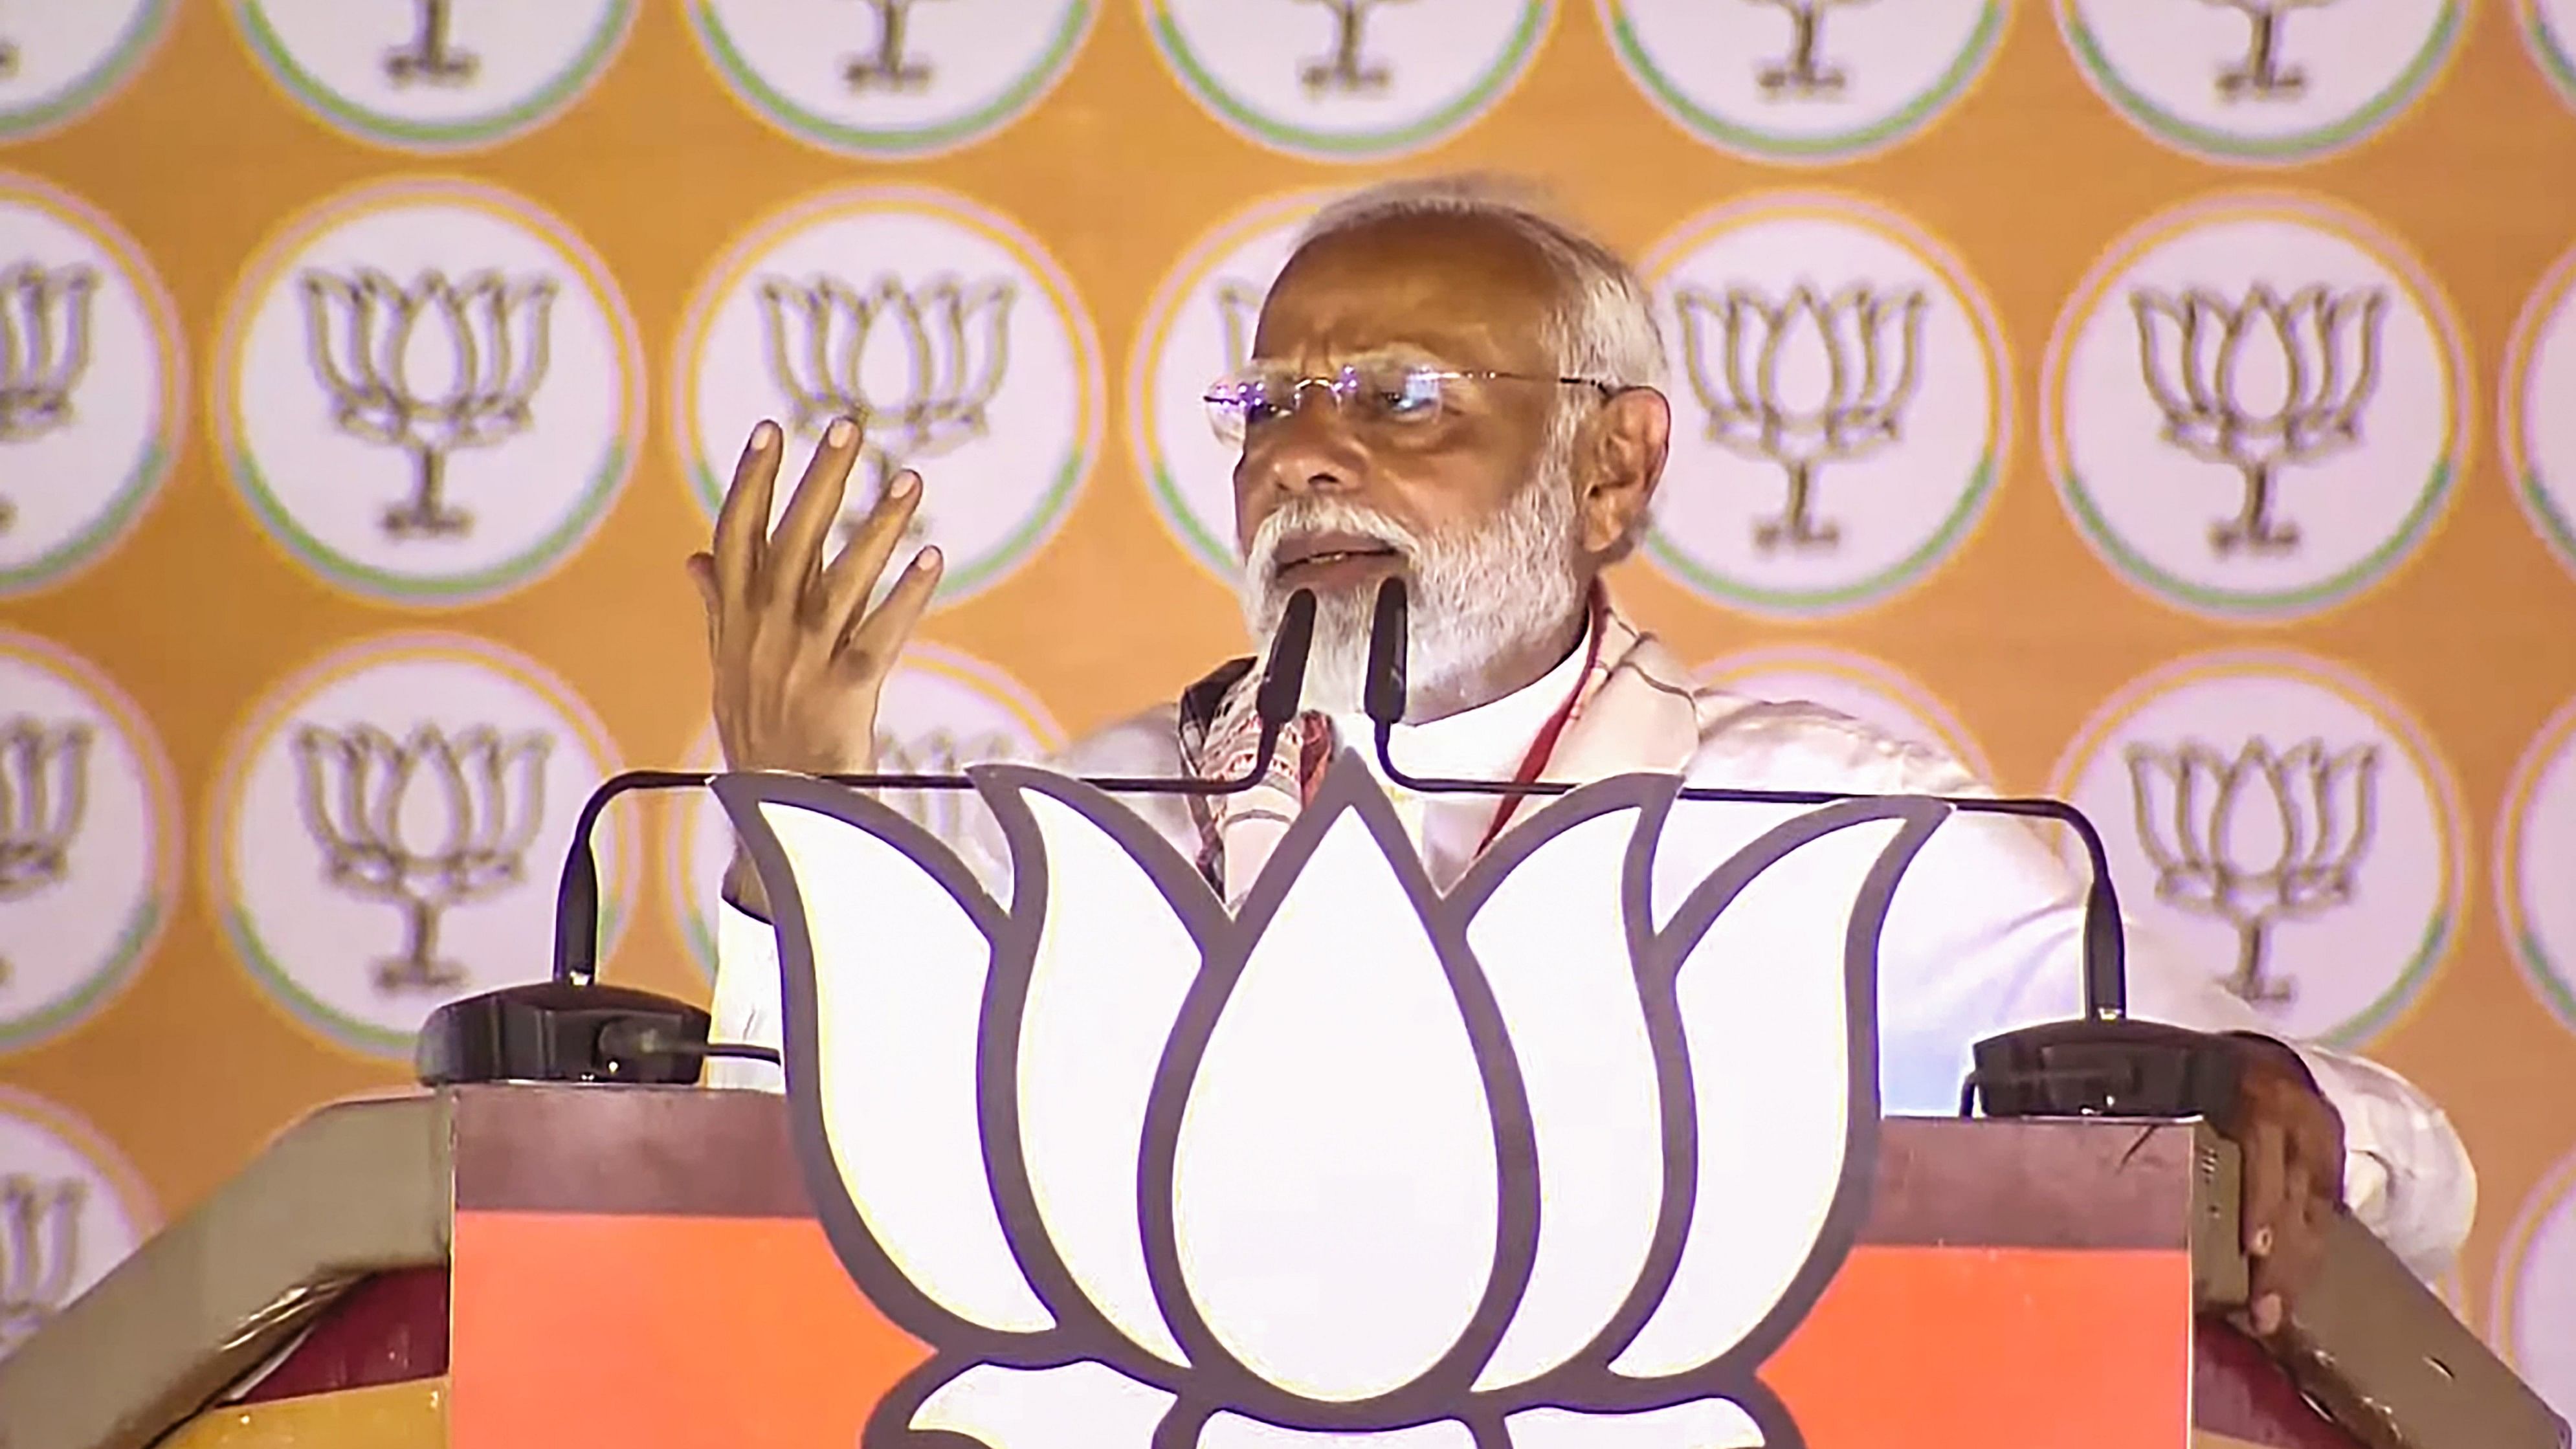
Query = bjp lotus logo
x=399 y=73
x=439 y=365
x=44 y=793
x=40 y=1222
x=2260 y=384
x=1130 y=1160
x=1850 y=423
x=1803 y=382
x=44 y=350
x=955 y=337
x=1344 y=68
x=2256 y=407
x=431 y=56
x=2266 y=836
x=2262 y=81
x=425 y=823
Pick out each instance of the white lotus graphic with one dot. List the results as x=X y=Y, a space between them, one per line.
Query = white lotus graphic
x=1538 y=1162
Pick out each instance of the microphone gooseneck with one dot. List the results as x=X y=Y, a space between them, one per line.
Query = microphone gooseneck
x=1274 y=702
x=1382 y=692
x=2106 y=975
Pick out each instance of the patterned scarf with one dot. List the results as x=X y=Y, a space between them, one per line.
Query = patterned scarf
x=1219 y=731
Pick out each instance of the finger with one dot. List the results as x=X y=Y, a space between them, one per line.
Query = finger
x=2265 y=1154
x=702 y=572
x=2267 y=1313
x=880 y=636
x=853 y=576
x=2320 y=1147
x=2300 y=1246
x=742 y=523
x=796 y=550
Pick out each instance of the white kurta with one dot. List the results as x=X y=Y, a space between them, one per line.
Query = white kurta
x=1984 y=934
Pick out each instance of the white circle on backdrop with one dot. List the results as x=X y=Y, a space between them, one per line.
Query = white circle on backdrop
x=2533 y=1305
x=89 y=840
x=391 y=827
x=893 y=78
x=60 y=59
x=942 y=710
x=1198 y=328
x=93 y=413
x=2284 y=825
x=2548 y=27
x=1823 y=335
x=948 y=322
x=2209 y=326
x=1851 y=683
x=74 y=1205
x=2200 y=79
x=2535 y=869
x=2537 y=428
x=1736 y=76
x=430 y=394
x=444 y=77
x=1347 y=82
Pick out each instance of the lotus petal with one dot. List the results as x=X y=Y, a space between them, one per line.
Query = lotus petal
x=1112 y=964
x=1078 y=1406
x=1699 y=1424
x=1552 y=941
x=893 y=961
x=1233 y=1431
x=1775 y=987
x=1335 y=1177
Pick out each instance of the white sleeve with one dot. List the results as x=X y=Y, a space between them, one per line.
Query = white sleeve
x=2406 y=1176
x=2018 y=955
x=1986 y=935
x=746 y=1007
x=749 y=992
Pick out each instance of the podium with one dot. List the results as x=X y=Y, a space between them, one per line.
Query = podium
x=513 y=1266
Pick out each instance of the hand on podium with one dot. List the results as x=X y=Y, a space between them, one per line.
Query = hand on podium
x=2292 y=1141
x=798 y=657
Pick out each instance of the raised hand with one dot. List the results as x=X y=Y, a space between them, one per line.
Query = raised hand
x=798 y=656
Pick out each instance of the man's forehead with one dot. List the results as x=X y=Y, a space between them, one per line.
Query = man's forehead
x=1461 y=290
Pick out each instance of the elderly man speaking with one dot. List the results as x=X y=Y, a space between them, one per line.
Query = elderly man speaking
x=1451 y=387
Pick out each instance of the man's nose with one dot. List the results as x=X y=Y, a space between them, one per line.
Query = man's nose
x=1311 y=450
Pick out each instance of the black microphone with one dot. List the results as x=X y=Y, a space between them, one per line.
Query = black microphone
x=2101 y=1064
x=570 y=1027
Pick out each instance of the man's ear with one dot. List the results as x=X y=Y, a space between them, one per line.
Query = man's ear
x=1620 y=454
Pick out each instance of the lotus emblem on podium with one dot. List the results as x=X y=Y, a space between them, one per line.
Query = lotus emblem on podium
x=1543 y=1158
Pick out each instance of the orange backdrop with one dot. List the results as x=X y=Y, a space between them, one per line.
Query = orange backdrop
x=2166 y=402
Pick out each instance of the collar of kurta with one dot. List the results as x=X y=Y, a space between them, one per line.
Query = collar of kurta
x=1631 y=708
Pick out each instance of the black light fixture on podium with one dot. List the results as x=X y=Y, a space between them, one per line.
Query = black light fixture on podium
x=2103 y=1063
x=574 y=1028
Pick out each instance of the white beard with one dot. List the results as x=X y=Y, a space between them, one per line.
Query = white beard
x=1470 y=598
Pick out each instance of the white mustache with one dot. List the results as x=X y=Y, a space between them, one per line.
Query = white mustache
x=1323 y=515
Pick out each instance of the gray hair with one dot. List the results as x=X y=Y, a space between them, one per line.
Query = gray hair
x=1603 y=327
